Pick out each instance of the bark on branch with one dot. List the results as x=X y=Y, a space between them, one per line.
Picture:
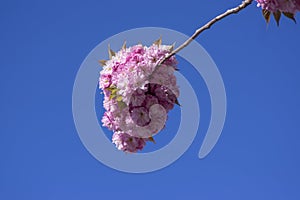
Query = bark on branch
x=235 y=10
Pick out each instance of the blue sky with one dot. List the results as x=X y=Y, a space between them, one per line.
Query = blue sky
x=43 y=44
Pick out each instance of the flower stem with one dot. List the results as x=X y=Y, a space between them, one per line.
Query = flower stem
x=235 y=10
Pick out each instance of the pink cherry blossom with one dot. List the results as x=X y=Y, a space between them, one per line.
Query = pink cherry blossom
x=138 y=94
x=288 y=6
x=128 y=143
x=140 y=115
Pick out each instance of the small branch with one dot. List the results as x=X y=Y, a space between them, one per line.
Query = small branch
x=235 y=10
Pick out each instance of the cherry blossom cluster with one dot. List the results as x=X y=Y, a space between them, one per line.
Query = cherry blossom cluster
x=138 y=93
x=276 y=7
x=289 y=6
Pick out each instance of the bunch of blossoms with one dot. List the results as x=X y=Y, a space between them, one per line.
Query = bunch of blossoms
x=138 y=93
x=276 y=7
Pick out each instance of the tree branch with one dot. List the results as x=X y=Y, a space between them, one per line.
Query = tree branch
x=235 y=10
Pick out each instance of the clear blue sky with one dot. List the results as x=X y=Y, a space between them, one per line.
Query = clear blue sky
x=42 y=45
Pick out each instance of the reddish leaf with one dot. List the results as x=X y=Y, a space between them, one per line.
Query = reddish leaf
x=266 y=15
x=111 y=53
x=277 y=16
x=290 y=16
x=158 y=42
x=102 y=62
x=124 y=45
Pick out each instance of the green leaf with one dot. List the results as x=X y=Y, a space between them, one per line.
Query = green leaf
x=290 y=16
x=113 y=92
x=277 y=16
x=266 y=15
x=112 y=96
x=112 y=88
x=121 y=105
x=119 y=98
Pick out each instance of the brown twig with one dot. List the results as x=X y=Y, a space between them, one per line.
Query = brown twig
x=235 y=10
